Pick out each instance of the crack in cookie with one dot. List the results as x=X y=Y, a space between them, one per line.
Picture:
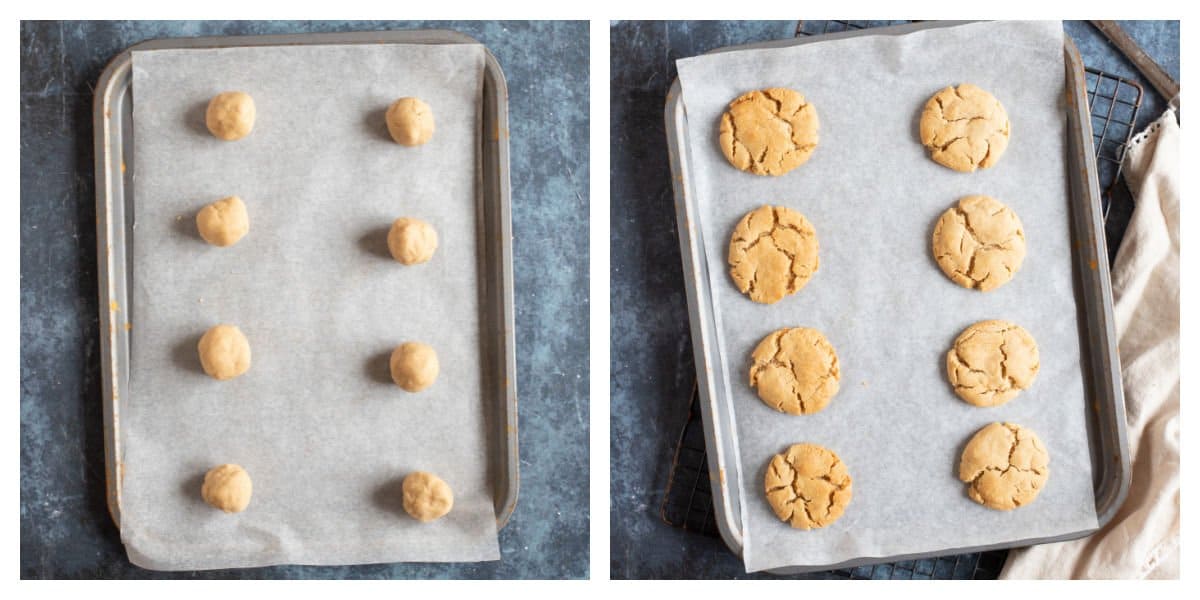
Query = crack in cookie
x=772 y=253
x=991 y=362
x=1004 y=466
x=979 y=243
x=769 y=132
x=811 y=478
x=795 y=371
x=964 y=128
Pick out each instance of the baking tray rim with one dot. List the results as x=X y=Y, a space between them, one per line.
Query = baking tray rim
x=1087 y=227
x=495 y=241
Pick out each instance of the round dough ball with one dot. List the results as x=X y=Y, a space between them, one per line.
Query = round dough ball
x=769 y=132
x=1004 y=466
x=227 y=487
x=224 y=352
x=414 y=366
x=795 y=371
x=223 y=222
x=426 y=496
x=979 y=243
x=410 y=121
x=808 y=486
x=772 y=253
x=964 y=128
x=991 y=362
x=412 y=241
x=230 y=115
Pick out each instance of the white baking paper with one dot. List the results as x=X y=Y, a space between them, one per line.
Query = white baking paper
x=324 y=434
x=873 y=195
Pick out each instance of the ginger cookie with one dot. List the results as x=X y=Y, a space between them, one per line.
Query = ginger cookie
x=224 y=352
x=227 y=487
x=230 y=115
x=808 y=486
x=795 y=371
x=964 y=128
x=223 y=222
x=991 y=362
x=979 y=243
x=1004 y=466
x=426 y=496
x=769 y=132
x=772 y=253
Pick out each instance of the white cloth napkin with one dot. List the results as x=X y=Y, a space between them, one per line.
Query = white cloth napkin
x=1142 y=540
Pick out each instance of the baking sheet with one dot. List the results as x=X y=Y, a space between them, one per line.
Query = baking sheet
x=873 y=196
x=316 y=421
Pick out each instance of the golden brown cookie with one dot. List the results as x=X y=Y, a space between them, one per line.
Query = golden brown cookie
x=772 y=253
x=414 y=366
x=991 y=362
x=808 y=487
x=769 y=132
x=410 y=121
x=979 y=243
x=223 y=222
x=224 y=352
x=1004 y=466
x=426 y=496
x=964 y=128
x=795 y=371
x=227 y=487
x=230 y=115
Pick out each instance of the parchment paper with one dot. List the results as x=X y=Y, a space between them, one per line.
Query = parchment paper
x=316 y=421
x=873 y=195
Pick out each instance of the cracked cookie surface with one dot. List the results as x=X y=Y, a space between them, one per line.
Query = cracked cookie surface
x=979 y=243
x=772 y=253
x=964 y=128
x=769 y=132
x=808 y=486
x=1004 y=466
x=991 y=362
x=795 y=371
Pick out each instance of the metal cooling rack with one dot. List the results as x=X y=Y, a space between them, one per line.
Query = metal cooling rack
x=687 y=503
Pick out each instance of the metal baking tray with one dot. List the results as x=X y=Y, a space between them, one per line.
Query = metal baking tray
x=1102 y=385
x=113 y=121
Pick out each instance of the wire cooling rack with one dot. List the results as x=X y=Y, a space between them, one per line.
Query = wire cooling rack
x=1114 y=102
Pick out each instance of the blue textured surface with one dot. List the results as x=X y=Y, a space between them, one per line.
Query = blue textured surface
x=652 y=369
x=66 y=531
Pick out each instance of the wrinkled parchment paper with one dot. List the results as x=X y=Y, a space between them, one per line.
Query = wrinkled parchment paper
x=873 y=195
x=316 y=421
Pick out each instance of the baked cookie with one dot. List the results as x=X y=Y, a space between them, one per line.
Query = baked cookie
x=426 y=496
x=979 y=243
x=964 y=128
x=410 y=121
x=991 y=362
x=808 y=486
x=224 y=352
x=795 y=371
x=414 y=366
x=223 y=222
x=1004 y=466
x=227 y=487
x=769 y=132
x=230 y=115
x=772 y=253
x=412 y=241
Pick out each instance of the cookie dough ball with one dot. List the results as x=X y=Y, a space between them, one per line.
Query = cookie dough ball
x=769 y=132
x=808 y=487
x=991 y=362
x=426 y=496
x=227 y=487
x=1004 y=466
x=979 y=243
x=795 y=371
x=410 y=121
x=224 y=352
x=230 y=115
x=412 y=241
x=964 y=128
x=772 y=253
x=223 y=222
x=414 y=366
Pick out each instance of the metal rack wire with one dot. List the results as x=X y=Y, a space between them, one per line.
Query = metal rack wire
x=687 y=503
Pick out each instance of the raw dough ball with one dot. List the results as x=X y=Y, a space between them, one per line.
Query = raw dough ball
x=426 y=496
x=769 y=132
x=224 y=352
x=979 y=243
x=795 y=371
x=991 y=362
x=410 y=121
x=227 y=487
x=772 y=253
x=412 y=241
x=808 y=486
x=414 y=366
x=223 y=222
x=230 y=115
x=964 y=128
x=1004 y=466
